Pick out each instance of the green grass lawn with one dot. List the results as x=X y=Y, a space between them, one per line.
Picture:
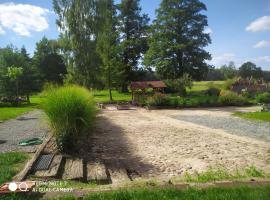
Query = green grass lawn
x=262 y=116
x=10 y=164
x=214 y=193
x=239 y=193
x=12 y=112
x=204 y=85
x=103 y=96
x=9 y=112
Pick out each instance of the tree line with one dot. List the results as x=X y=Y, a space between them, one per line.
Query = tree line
x=229 y=71
x=103 y=44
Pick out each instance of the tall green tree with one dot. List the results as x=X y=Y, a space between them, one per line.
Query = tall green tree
x=177 y=41
x=49 y=62
x=249 y=69
x=133 y=28
x=108 y=44
x=79 y=20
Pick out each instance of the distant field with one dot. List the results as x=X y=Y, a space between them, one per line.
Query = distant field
x=262 y=116
x=204 y=85
x=103 y=96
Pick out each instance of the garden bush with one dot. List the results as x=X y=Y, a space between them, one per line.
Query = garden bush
x=212 y=91
x=263 y=97
x=158 y=99
x=229 y=98
x=70 y=109
x=179 y=85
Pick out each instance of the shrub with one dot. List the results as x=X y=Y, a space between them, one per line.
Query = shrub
x=174 y=101
x=70 y=110
x=230 y=98
x=263 y=97
x=158 y=99
x=212 y=91
x=228 y=83
x=179 y=85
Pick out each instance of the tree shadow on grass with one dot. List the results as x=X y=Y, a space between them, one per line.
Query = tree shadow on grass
x=108 y=144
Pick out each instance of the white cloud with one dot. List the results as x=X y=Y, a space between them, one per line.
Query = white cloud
x=223 y=59
x=208 y=30
x=260 y=24
x=262 y=44
x=263 y=59
x=2 y=31
x=23 y=18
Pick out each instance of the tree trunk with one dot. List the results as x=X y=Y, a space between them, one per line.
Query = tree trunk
x=28 y=98
x=124 y=88
x=110 y=84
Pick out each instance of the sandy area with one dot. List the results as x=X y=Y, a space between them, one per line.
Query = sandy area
x=153 y=144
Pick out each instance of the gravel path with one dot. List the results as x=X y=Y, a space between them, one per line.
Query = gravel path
x=233 y=125
x=25 y=126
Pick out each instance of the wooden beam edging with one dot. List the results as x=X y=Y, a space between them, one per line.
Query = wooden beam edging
x=80 y=193
x=23 y=174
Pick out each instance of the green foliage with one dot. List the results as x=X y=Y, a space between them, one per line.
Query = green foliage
x=158 y=99
x=107 y=45
x=263 y=97
x=81 y=23
x=232 y=99
x=228 y=83
x=177 y=40
x=70 y=109
x=49 y=62
x=133 y=27
x=213 y=91
x=179 y=85
x=17 y=74
x=10 y=164
x=14 y=72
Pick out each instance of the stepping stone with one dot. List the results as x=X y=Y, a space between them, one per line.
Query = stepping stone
x=119 y=176
x=53 y=168
x=96 y=172
x=73 y=169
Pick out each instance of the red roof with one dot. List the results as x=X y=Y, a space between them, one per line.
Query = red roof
x=147 y=84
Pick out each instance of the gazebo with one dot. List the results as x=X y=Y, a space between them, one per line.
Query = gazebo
x=143 y=85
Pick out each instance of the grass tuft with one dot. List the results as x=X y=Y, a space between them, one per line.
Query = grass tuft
x=70 y=109
x=221 y=173
x=10 y=164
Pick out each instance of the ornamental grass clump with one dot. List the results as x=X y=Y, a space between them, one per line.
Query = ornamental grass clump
x=71 y=112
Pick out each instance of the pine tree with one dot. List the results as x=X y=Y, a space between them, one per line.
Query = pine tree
x=178 y=38
x=133 y=30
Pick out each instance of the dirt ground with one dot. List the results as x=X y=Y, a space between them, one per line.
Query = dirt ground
x=152 y=144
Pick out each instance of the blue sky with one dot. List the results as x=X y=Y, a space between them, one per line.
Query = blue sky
x=240 y=29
